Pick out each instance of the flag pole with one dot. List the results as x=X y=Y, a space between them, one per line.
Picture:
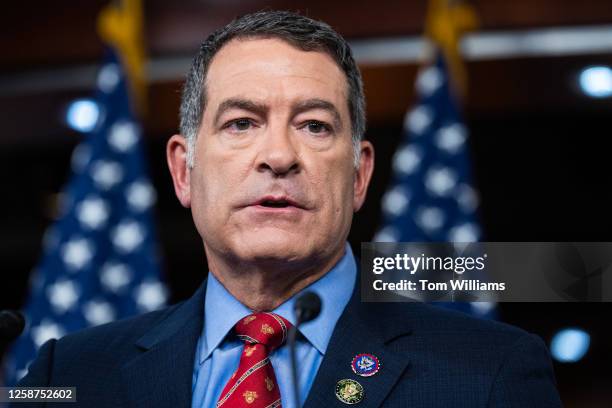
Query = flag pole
x=121 y=26
x=445 y=24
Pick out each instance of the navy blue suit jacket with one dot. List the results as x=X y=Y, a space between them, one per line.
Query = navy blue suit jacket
x=430 y=357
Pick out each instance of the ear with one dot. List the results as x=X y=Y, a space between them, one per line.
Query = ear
x=176 y=155
x=363 y=175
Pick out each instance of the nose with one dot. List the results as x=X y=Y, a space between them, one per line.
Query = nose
x=278 y=153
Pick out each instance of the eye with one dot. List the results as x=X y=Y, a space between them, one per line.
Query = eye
x=316 y=127
x=239 y=125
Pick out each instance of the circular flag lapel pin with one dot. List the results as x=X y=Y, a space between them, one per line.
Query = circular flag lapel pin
x=349 y=391
x=365 y=365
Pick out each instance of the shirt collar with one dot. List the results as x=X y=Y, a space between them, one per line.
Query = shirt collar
x=222 y=310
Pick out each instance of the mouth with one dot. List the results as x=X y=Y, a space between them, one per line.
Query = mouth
x=277 y=203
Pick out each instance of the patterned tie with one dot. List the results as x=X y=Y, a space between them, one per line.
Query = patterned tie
x=253 y=384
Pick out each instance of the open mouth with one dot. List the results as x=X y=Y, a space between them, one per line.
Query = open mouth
x=279 y=202
x=275 y=204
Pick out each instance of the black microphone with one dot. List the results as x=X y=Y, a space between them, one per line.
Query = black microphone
x=12 y=324
x=307 y=307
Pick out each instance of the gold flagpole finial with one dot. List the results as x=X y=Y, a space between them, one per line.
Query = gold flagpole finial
x=120 y=24
x=446 y=22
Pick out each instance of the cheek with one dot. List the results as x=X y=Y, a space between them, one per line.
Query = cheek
x=338 y=187
x=199 y=196
x=209 y=200
x=217 y=185
x=210 y=173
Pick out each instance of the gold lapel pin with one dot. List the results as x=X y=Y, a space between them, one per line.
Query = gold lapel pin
x=349 y=391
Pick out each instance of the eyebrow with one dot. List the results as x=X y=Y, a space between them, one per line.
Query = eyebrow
x=262 y=109
x=243 y=104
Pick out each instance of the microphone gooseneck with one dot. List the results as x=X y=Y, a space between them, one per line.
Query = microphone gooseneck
x=307 y=307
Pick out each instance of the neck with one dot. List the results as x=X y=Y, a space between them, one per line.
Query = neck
x=263 y=286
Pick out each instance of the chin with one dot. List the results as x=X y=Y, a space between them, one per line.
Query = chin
x=272 y=246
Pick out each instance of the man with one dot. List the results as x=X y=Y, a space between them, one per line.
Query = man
x=271 y=161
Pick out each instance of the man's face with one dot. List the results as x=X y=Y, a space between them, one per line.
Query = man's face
x=273 y=178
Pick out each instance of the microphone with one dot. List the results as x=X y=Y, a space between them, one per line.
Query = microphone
x=12 y=324
x=307 y=307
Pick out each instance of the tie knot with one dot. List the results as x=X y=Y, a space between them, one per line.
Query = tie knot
x=268 y=329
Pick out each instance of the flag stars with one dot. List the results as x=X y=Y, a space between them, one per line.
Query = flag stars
x=407 y=160
x=77 y=253
x=429 y=80
x=127 y=236
x=482 y=308
x=123 y=136
x=440 y=180
x=418 y=120
x=150 y=295
x=395 y=201
x=98 y=312
x=109 y=77
x=47 y=330
x=100 y=261
x=140 y=195
x=106 y=174
x=467 y=232
x=451 y=138
x=430 y=218
x=92 y=212
x=431 y=198
x=115 y=277
x=467 y=198
x=63 y=295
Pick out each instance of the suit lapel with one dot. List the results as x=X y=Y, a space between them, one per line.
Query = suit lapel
x=161 y=375
x=362 y=328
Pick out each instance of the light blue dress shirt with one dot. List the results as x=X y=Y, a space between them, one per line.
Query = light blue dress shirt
x=217 y=357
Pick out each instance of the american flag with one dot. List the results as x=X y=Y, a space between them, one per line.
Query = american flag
x=431 y=197
x=100 y=260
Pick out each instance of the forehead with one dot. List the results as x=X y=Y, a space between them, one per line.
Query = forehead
x=270 y=69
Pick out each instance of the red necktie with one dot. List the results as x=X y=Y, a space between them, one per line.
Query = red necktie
x=253 y=384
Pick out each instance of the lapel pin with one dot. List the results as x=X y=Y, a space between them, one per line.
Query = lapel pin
x=349 y=391
x=365 y=365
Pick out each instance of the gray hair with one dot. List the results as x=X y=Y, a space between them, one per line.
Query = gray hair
x=301 y=32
